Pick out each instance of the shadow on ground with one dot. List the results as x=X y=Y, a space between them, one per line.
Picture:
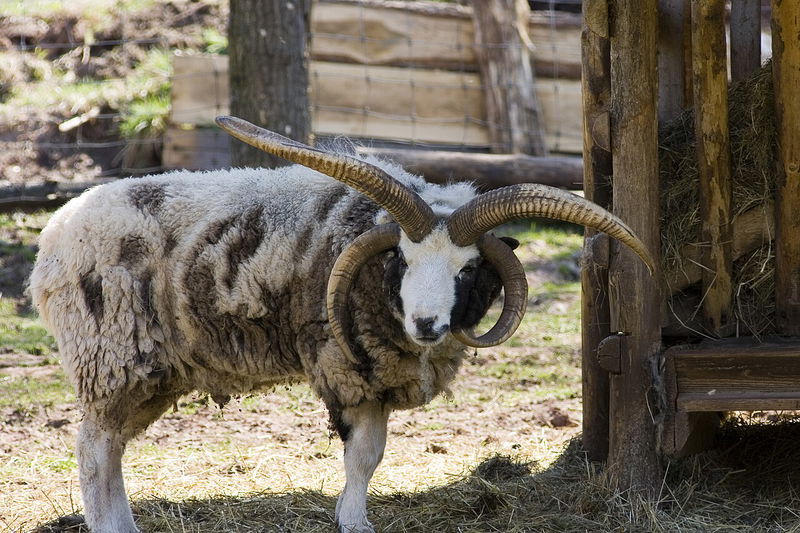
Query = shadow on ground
x=748 y=483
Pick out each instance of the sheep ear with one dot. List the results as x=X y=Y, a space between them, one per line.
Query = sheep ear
x=511 y=242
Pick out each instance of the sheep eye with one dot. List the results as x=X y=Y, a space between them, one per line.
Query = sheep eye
x=467 y=269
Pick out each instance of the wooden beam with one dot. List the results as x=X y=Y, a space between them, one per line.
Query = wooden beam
x=745 y=30
x=41 y=194
x=786 y=75
x=709 y=67
x=488 y=171
x=635 y=298
x=740 y=374
x=502 y=48
x=595 y=312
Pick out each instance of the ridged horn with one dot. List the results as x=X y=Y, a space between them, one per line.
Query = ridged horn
x=406 y=207
x=515 y=289
x=346 y=268
x=489 y=210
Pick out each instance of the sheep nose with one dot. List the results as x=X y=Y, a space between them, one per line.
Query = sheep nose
x=425 y=325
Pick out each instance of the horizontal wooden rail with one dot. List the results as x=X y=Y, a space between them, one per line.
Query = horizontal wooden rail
x=488 y=171
x=42 y=194
x=737 y=374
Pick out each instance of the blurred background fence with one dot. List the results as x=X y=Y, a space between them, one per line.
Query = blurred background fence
x=101 y=88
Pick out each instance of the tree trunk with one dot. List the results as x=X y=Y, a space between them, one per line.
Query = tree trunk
x=268 y=47
x=502 y=49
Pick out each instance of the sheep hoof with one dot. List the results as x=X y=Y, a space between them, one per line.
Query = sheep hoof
x=364 y=527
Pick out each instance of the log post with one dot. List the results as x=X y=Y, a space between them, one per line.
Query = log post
x=786 y=76
x=710 y=78
x=635 y=298
x=502 y=48
x=595 y=313
x=745 y=29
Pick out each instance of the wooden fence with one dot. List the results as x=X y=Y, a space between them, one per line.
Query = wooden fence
x=390 y=71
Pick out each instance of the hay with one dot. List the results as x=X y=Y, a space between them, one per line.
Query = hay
x=749 y=483
x=753 y=140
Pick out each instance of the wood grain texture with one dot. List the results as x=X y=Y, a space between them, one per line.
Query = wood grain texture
x=710 y=78
x=741 y=375
x=502 y=48
x=595 y=311
x=786 y=74
x=268 y=71
x=635 y=298
x=419 y=105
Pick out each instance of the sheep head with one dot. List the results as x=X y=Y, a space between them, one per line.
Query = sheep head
x=437 y=252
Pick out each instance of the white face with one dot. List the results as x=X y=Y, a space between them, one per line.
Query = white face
x=428 y=288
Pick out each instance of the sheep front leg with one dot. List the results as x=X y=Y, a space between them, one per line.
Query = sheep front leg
x=99 y=454
x=363 y=450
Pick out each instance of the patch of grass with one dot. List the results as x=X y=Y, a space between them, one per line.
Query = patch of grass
x=92 y=10
x=142 y=97
x=29 y=394
x=22 y=332
x=215 y=42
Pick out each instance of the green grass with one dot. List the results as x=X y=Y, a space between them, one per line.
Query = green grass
x=21 y=332
x=91 y=10
x=26 y=395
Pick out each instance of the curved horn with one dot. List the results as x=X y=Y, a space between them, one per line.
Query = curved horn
x=515 y=288
x=345 y=270
x=406 y=207
x=499 y=206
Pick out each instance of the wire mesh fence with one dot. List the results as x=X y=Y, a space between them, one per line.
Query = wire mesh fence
x=100 y=88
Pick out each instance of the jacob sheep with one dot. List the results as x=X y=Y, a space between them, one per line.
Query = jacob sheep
x=233 y=281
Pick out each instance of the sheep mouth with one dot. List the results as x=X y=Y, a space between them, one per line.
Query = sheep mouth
x=430 y=339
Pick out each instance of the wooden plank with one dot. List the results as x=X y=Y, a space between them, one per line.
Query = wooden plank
x=199 y=88
x=431 y=35
x=709 y=66
x=197 y=148
x=502 y=49
x=745 y=31
x=737 y=375
x=595 y=312
x=488 y=171
x=420 y=105
x=786 y=75
x=635 y=298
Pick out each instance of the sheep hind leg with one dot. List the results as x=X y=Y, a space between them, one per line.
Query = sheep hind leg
x=363 y=450
x=99 y=451
x=99 y=454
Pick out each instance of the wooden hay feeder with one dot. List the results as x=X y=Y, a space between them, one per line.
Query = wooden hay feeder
x=645 y=396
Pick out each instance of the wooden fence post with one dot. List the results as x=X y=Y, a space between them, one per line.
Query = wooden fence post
x=710 y=78
x=595 y=313
x=786 y=74
x=502 y=47
x=635 y=298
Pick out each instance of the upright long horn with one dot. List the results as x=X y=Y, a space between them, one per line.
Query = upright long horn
x=408 y=209
x=489 y=210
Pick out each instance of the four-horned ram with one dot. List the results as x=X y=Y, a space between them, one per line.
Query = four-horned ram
x=368 y=285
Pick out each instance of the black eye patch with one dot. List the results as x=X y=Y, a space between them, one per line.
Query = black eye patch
x=394 y=271
x=476 y=289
